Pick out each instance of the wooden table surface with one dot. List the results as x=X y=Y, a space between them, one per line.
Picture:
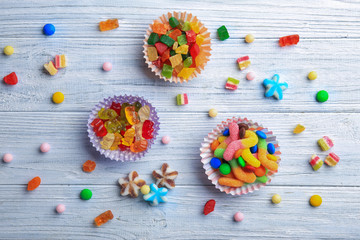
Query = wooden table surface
x=329 y=43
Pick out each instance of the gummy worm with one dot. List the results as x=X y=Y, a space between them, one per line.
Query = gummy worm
x=234 y=135
x=240 y=174
x=250 y=140
x=230 y=182
x=262 y=152
x=249 y=158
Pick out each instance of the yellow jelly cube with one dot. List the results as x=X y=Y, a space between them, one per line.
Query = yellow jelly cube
x=199 y=40
x=175 y=45
x=195 y=27
x=175 y=60
x=244 y=64
x=299 y=128
x=50 y=68
x=183 y=49
x=152 y=54
x=221 y=139
x=186 y=72
x=178 y=68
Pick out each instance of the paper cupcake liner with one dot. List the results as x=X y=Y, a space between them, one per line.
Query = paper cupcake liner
x=118 y=155
x=213 y=174
x=205 y=47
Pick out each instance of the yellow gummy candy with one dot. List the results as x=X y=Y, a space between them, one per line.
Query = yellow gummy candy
x=249 y=158
x=186 y=72
x=116 y=142
x=195 y=27
x=175 y=60
x=183 y=49
x=128 y=137
x=107 y=141
x=221 y=139
x=199 y=40
x=272 y=157
x=152 y=54
x=299 y=128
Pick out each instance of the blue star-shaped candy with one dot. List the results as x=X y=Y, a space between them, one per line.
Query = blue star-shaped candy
x=274 y=88
x=156 y=195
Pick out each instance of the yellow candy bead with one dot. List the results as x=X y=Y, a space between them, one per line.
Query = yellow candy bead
x=312 y=75
x=145 y=189
x=213 y=112
x=272 y=157
x=186 y=72
x=298 y=129
x=199 y=40
x=8 y=50
x=58 y=97
x=315 y=200
x=195 y=27
x=221 y=139
x=249 y=38
x=276 y=199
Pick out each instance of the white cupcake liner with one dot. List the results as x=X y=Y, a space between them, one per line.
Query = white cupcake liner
x=213 y=174
x=118 y=155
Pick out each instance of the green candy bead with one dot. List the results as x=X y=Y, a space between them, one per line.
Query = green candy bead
x=86 y=194
x=262 y=179
x=173 y=22
x=154 y=38
x=241 y=162
x=187 y=62
x=322 y=96
x=167 y=71
x=225 y=169
x=182 y=39
x=168 y=41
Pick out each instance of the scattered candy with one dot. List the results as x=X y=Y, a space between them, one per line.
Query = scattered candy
x=299 y=129
x=49 y=29
x=332 y=159
x=209 y=206
x=86 y=194
x=249 y=38
x=316 y=162
x=156 y=195
x=276 y=199
x=250 y=76
x=274 y=88
x=223 y=33
x=182 y=99
x=271 y=148
x=109 y=24
x=215 y=163
x=107 y=66
x=60 y=61
x=11 y=79
x=232 y=83
x=325 y=143
x=89 y=166
x=34 y=183
x=58 y=97
x=165 y=139
x=8 y=157
x=103 y=218
x=322 y=96
x=131 y=184
x=8 y=50
x=60 y=208
x=213 y=112
x=50 y=68
x=243 y=62
x=145 y=189
x=45 y=147
x=239 y=216
x=289 y=40
x=165 y=176
x=312 y=75
x=315 y=200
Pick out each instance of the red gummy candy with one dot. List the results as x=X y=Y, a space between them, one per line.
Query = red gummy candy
x=209 y=206
x=194 y=51
x=165 y=56
x=123 y=147
x=190 y=36
x=128 y=127
x=147 y=129
x=249 y=168
x=11 y=79
x=158 y=63
x=116 y=107
x=89 y=166
x=101 y=131
x=34 y=183
x=161 y=48
x=96 y=123
x=289 y=40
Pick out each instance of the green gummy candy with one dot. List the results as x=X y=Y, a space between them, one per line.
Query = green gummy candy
x=223 y=33
x=154 y=38
x=187 y=62
x=172 y=53
x=173 y=22
x=167 y=71
x=219 y=152
x=186 y=26
x=241 y=162
x=182 y=39
x=168 y=41
x=233 y=80
x=262 y=179
x=262 y=143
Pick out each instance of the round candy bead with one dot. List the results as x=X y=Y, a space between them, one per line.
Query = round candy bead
x=276 y=199
x=254 y=149
x=86 y=194
x=45 y=147
x=226 y=132
x=8 y=157
x=58 y=97
x=225 y=169
x=145 y=189
x=241 y=162
x=107 y=66
x=249 y=168
x=239 y=216
x=322 y=96
x=165 y=139
x=49 y=29
x=8 y=50
x=60 y=208
x=261 y=134
x=271 y=148
x=213 y=112
x=312 y=75
x=249 y=38
x=315 y=200
x=250 y=76
x=215 y=163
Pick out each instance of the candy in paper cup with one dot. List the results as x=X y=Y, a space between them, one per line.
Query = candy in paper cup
x=213 y=174
x=119 y=155
x=205 y=47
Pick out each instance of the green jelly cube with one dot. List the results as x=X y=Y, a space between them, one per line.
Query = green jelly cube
x=173 y=22
x=167 y=71
x=187 y=62
x=154 y=38
x=168 y=41
x=172 y=53
x=223 y=33
x=182 y=39
x=233 y=80
x=186 y=26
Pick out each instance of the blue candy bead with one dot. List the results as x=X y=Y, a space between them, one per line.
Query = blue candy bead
x=215 y=163
x=226 y=132
x=49 y=29
x=261 y=134
x=254 y=149
x=271 y=148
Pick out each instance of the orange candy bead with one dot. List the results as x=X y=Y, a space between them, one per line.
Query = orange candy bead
x=103 y=218
x=139 y=146
x=109 y=24
x=34 y=183
x=214 y=145
x=89 y=166
x=260 y=171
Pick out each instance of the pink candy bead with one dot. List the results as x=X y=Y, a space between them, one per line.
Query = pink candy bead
x=107 y=66
x=60 y=208
x=239 y=216
x=165 y=139
x=250 y=76
x=45 y=147
x=8 y=157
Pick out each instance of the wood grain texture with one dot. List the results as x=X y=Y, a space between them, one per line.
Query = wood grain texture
x=329 y=43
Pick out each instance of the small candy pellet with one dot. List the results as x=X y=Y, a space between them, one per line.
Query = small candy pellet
x=271 y=148
x=89 y=166
x=49 y=29
x=244 y=62
x=272 y=157
x=250 y=76
x=232 y=83
x=225 y=169
x=316 y=162
x=226 y=132
x=103 y=218
x=214 y=145
x=260 y=171
x=86 y=194
x=325 y=143
x=107 y=66
x=50 y=68
x=58 y=97
x=109 y=24
x=60 y=208
x=182 y=99
x=209 y=206
x=8 y=157
x=322 y=96
x=298 y=129
x=254 y=149
x=312 y=75
x=8 y=50
x=261 y=134
x=165 y=139
x=215 y=163
x=223 y=33
x=213 y=112
x=315 y=200
x=11 y=79
x=289 y=40
x=241 y=162
x=276 y=199
x=249 y=38
x=145 y=189
x=45 y=147
x=34 y=183
x=262 y=179
x=60 y=61
x=332 y=159
x=239 y=216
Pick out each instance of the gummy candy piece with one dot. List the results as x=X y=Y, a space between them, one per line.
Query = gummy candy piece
x=100 y=131
x=178 y=68
x=147 y=129
x=232 y=83
x=106 y=114
x=131 y=115
x=182 y=40
x=289 y=40
x=158 y=63
x=175 y=46
x=332 y=159
x=174 y=34
x=316 y=162
x=116 y=107
x=183 y=49
x=109 y=24
x=131 y=184
x=182 y=99
x=139 y=146
x=161 y=48
x=200 y=59
x=107 y=141
x=117 y=141
x=153 y=38
x=223 y=33
x=168 y=41
x=173 y=22
x=159 y=28
x=137 y=106
x=156 y=195
x=122 y=112
x=128 y=137
x=325 y=143
x=194 y=50
x=274 y=88
x=166 y=55
x=152 y=53
x=103 y=218
x=111 y=127
x=11 y=79
x=50 y=68
x=175 y=60
x=188 y=61
x=190 y=36
x=186 y=73
x=34 y=183
x=199 y=40
x=209 y=206
x=138 y=131
x=195 y=27
x=299 y=129
x=185 y=26
x=243 y=62
x=60 y=61
x=165 y=176
x=167 y=71
x=89 y=166
x=144 y=113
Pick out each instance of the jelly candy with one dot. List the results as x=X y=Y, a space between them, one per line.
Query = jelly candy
x=243 y=62
x=316 y=162
x=131 y=115
x=165 y=176
x=139 y=146
x=60 y=61
x=107 y=141
x=232 y=83
x=11 y=79
x=161 y=48
x=138 y=131
x=111 y=127
x=50 y=68
x=182 y=40
x=182 y=99
x=175 y=34
x=167 y=71
x=137 y=106
x=299 y=129
x=194 y=50
x=153 y=38
x=34 y=183
x=175 y=60
x=186 y=73
x=182 y=49
x=332 y=159
x=152 y=53
x=223 y=33
x=209 y=206
x=159 y=28
x=195 y=27
x=168 y=41
x=190 y=36
x=199 y=40
x=89 y=166
x=147 y=129
x=128 y=137
x=122 y=112
x=289 y=40
x=116 y=107
x=98 y=127
x=274 y=87
x=103 y=218
x=144 y=113
x=325 y=143
x=106 y=114
x=117 y=141
x=109 y=24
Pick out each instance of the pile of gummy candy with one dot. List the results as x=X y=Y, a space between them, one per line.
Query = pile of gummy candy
x=124 y=126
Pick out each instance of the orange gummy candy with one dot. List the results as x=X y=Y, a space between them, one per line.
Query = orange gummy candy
x=34 y=183
x=214 y=145
x=159 y=28
x=103 y=218
x=139 y=146
x=109 y=24
x=89 y=166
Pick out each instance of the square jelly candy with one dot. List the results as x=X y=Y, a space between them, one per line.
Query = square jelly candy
x=223 y=33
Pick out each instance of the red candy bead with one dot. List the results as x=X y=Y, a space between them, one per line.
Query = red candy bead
x=249 y=168
x=11 y=79
x=147 y=129
x=194 y=51
x=161 y=48
x=190 y=36
x=116 y=107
